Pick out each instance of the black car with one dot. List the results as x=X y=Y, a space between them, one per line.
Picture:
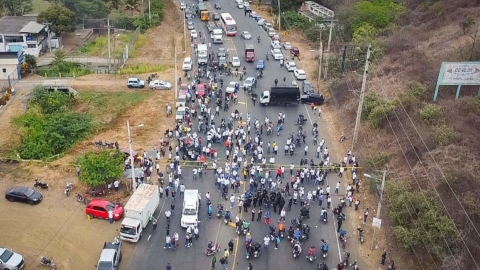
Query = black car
x=23 y=194
x=318 y=99
x=218 y=6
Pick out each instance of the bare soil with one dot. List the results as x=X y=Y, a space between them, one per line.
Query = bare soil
x=58 y=227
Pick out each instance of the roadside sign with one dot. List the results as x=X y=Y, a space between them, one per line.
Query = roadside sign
x=377 y=223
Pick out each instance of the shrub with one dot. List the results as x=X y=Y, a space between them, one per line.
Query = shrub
x=142 y=68
x=99 y=168
x=443 y=135
x=31 y=60
x=430 y=113
x=378 y=13
x=412 y=94
x=50 y=102
x=370 y=101
x=63 y=69
x=380 y=113
x=376 y=161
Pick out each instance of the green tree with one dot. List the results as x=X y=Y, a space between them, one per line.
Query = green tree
x=61 y=18
x=132 y=5
x=31 y=60
x=96 y=9
x=98 y=168
x=50 y=102
x=58 y=57
x=378 y=13
x=16 y=7
x=115 y=3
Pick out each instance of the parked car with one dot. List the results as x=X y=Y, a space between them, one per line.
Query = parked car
x=187 y=64
x=277 y=54
x=253 y=14
x=275 y=45
x=307 y=87
x=290 y=66
x=261 y=21
x=267 y=25
x=193 y=33
x=295 y=51
x=246 y=35
x=218 y=6
x=300 y=74
x=246 y=4
x=276 y=38
x=190 y=24
x=160 y=84
x=230 y=87
x=317 y=99
x=111 y=256
x=182 y=6
x=271 y=32
x=135 y=83
x=181 y=101
x=287 y=46
x=99 y=209
x=247 y=9
x=248 y=83
x=23 y=194
x=188 y=14
x=181 y=113
x=260 y=64
x=10 y=259
x=258 y=18
x=240 y=5
x=216 y=16
x=235 y=61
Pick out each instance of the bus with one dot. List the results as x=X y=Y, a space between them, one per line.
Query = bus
x=202 y=10
x=229 y=25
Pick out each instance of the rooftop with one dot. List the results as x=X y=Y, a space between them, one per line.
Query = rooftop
x=20 y=24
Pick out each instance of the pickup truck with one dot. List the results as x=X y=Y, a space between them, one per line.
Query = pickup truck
x=111 y=255
x=135 y=83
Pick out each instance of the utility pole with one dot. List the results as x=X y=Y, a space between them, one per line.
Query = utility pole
x=381 y=193
x=175 y=60
x=109 y=53
x=131 y=155
x=184 y=35
x=279 y=18
x=328 y=50
x=320 y=63
x=149 y=13
x=362 y=95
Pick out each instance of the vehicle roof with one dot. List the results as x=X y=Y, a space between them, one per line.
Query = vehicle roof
x=99 y=202
x=18 y=189
x=141 y=197
x=188 y=58
x=155 y=81
x=130 y=222
x=300 y=71
x=107 y=255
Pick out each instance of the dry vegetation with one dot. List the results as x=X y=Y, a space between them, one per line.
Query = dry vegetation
x=431 y=148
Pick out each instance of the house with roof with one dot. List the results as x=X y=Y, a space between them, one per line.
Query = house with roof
x=19 y=33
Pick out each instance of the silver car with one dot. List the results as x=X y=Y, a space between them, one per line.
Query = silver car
x=190 y=25
x=246 y=35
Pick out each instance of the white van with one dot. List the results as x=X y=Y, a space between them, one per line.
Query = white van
x=181 y=101
x=190 y=208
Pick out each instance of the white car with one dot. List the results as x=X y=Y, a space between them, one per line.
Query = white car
x=253 y=14
x=183 y=6
x=277 y=54
x=300 y=74
x=246 y=4
x=246 y=35
x=276 y=44
x=248 y=83
x=230 y=87
x=187 y=64
x=240 y=5
x=287 y=46
x=271 y=32
x=10 y=259
x=193 y=34
x=235 y=61
x=290 y=66
x=159 y=84
x=260 y=22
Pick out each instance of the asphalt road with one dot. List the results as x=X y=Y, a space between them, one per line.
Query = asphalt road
x=149 y=252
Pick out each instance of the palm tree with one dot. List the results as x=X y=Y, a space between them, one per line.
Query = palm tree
x=132 y=5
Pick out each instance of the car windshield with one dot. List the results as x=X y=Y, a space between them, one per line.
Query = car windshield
x=189 y=212
x=29 y=192
x=181 y=112
x=187 y=62
x=248 y=81
x=128 y=230
x=6 y=255
x=104 y=265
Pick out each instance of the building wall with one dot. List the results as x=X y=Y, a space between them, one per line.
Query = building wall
x=8 y=67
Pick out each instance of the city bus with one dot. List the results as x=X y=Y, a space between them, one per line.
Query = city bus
x=202 y=10
x=229 y=25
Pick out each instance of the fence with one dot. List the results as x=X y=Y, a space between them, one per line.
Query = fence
x=102 y=24
x=11 y=79
x=120 y=62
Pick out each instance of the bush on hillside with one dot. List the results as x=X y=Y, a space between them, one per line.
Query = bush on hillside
x=99 y=168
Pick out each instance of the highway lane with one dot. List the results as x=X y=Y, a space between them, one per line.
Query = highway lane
x=149 y=254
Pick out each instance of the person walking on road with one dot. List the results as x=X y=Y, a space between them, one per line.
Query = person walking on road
x=214 y=260
x=266 y=241
x=223 y=263
x=230 y=246
x=259 y=214
x=365 y=216
x=339 y=223
x=169 y=267
x=253 y=214
x=250 y=266
x=226 y=253
x=276 y=82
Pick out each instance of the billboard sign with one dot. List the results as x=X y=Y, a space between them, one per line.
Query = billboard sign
x=458 y=73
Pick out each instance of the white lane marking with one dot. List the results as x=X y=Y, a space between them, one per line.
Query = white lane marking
x=306 y=109
x=150 y=236
x=338 y=242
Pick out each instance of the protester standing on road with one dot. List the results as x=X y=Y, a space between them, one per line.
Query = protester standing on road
x=365 y=216
x=214 y=260
x=276 y=82
x=230 y=246
x=253 y=214
x=226 y=253
x=169 y=267
x=116 y=184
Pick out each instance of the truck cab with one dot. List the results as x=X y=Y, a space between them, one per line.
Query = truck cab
x=217 y=36
x=265 y=98
x=190 y=208
x=111 y=256
x=131 y=230
x=249 y=53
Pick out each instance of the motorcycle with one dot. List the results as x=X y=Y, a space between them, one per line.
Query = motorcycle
x=213 y=250
x=67 y=189
x=361 y=237
x=40 y=184
x=81 y=198
x=354 y=265
x=324 y=249
x=311 y=257
x=219 y=213
x=97 y=192
x=300 y=122
x=48 y=262
x=296 y=254
x=322 y=266
x=346 y=257
x=282 y=234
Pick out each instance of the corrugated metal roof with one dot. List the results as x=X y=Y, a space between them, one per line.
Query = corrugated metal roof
x=32 y=27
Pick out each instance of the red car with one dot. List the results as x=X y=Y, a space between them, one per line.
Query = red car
x=99 y=209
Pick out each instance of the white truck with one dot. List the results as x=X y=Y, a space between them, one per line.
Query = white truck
x=202 y=54
x=137 y=212
x=190 y=208
x=216 y=36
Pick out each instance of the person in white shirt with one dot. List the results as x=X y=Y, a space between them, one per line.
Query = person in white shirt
x=337 y=186
x=195 y=171
x=232 y=201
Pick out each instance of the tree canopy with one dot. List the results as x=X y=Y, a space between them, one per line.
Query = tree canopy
x=16 y=7
x=99 y=168
x=61 y=18
x=377 y=13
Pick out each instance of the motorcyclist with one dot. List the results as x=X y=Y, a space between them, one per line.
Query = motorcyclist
x=311 y=251
x=323 y=213
x=297 y=234
x=301 y=118
x=209 y=210
x=291 y=232
x=246 y=225
x=281 y=227
x=305 y=212
x=266 y=55
x=248 y=238
x=210 y=247
x=325 y=247
x=227 y=216
x=297 y=248
x=258 y=38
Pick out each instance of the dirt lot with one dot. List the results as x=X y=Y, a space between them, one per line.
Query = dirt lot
x=58 y=227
